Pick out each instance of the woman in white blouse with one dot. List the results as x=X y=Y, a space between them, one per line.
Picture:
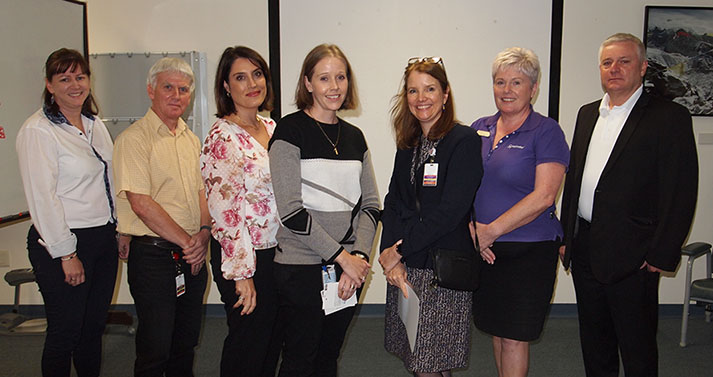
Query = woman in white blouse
x=235 y=168
x=64 y=152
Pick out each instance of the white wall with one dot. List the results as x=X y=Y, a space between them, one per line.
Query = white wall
x=210 y=26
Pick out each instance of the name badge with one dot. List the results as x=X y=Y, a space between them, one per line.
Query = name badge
x=483 y=133
x=180 y=284
x=329 y=275
x=430 y=174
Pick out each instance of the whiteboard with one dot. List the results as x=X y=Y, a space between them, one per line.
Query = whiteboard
x=30 y=31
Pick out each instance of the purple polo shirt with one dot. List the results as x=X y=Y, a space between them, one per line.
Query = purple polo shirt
x=509 y=173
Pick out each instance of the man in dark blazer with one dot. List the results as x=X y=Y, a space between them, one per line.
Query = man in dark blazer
x=627 y=206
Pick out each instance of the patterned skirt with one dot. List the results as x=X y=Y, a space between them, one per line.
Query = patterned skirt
x=443 y=340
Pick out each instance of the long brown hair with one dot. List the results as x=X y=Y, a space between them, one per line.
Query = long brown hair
x=407 y=128
x=303 y=98
x=59 y=62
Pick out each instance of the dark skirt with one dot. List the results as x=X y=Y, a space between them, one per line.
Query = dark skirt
x=515 y=292
x=443 y=340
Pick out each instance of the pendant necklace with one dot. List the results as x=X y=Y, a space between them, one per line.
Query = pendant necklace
x=339 y=131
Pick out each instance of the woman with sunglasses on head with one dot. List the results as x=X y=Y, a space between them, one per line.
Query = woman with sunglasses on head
x=65 y=155
x=236 y=171
x=329 y=208
x=436 y=173
x=525 y=157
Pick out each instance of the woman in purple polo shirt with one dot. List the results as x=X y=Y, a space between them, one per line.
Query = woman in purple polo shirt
x=525 y=157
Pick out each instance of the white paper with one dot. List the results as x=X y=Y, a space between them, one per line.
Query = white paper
x=409 y=312
x=332 y=303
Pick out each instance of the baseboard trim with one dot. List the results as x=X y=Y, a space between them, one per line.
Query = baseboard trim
x=371 y=310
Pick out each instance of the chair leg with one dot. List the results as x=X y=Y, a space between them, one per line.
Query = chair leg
x=686 y=302
x=709 y=274
x=16 y=307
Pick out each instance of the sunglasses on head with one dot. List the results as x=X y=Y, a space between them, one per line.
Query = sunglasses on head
x=427 y=59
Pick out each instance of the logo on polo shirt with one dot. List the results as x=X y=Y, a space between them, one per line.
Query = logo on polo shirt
x=516 y=146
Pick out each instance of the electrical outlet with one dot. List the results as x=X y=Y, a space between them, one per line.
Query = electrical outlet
x=4 y=258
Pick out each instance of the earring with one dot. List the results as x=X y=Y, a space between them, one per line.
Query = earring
x=443 y=107
x=228 y=93
x=52 y=99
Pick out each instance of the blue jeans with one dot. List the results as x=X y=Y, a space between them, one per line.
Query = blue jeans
x=76 y=316
x=169 y=326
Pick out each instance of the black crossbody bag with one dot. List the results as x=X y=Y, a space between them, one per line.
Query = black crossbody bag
x=454 y=269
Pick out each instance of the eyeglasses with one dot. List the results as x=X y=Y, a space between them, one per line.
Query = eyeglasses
x=427 y=59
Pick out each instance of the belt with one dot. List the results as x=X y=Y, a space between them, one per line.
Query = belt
x=156 y=241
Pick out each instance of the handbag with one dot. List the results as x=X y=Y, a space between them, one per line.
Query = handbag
x=454 y=269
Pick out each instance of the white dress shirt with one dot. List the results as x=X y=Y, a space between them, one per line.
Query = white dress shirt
x=64 y=180
x=606 y=132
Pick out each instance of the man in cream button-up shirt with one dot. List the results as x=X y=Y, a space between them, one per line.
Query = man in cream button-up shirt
x=161 y=204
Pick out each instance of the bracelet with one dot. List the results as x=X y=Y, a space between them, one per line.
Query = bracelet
x=360 y=254
x=206 y=227
x=68 y=257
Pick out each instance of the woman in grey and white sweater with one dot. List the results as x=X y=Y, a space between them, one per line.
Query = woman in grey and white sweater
x=328 y=205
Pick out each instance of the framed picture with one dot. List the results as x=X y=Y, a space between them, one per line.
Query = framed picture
x=679 y=48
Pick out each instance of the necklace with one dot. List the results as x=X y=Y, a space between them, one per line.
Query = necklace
x=339 y=131
x=246 y=124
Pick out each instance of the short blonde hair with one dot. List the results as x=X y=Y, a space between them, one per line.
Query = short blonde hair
x=522 y=59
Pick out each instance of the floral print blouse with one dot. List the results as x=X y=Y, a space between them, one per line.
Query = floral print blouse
x=236 y=172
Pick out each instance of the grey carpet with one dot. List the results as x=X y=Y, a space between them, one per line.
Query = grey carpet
x=555 y=354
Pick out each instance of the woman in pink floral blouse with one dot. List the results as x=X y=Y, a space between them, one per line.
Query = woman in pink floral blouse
x=235 y=168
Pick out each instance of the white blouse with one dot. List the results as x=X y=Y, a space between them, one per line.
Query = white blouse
x=64 y=180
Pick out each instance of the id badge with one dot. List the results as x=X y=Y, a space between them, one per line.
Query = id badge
x=329 y=275
x=180 y=284
x=430 y=174
x=180 y=277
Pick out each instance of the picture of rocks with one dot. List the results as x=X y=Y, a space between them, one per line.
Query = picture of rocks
x=679 y=48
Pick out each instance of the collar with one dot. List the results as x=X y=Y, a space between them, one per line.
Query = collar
x=626 y=106
x=531 y=122
x=159 y=127
x=59 y=118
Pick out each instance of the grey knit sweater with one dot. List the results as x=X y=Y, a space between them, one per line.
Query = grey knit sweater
x=326 y=201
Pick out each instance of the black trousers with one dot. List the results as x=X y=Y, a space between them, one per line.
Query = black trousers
x=76 y=316
x=169 y=326
x=615 y=318
x=311 y=341
x=249 y=348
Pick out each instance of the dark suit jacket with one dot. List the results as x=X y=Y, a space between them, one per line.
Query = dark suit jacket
x=445 y=208
x=646 y=196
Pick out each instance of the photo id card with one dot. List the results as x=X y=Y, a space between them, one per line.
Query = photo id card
x=180 y=284
x=430 y=174
x=329 y=275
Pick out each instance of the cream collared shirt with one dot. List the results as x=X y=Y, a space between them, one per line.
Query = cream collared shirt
x=149 y=159
x=606 y=132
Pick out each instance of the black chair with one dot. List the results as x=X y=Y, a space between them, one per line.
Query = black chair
x=14 y=322
x=701 y=290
